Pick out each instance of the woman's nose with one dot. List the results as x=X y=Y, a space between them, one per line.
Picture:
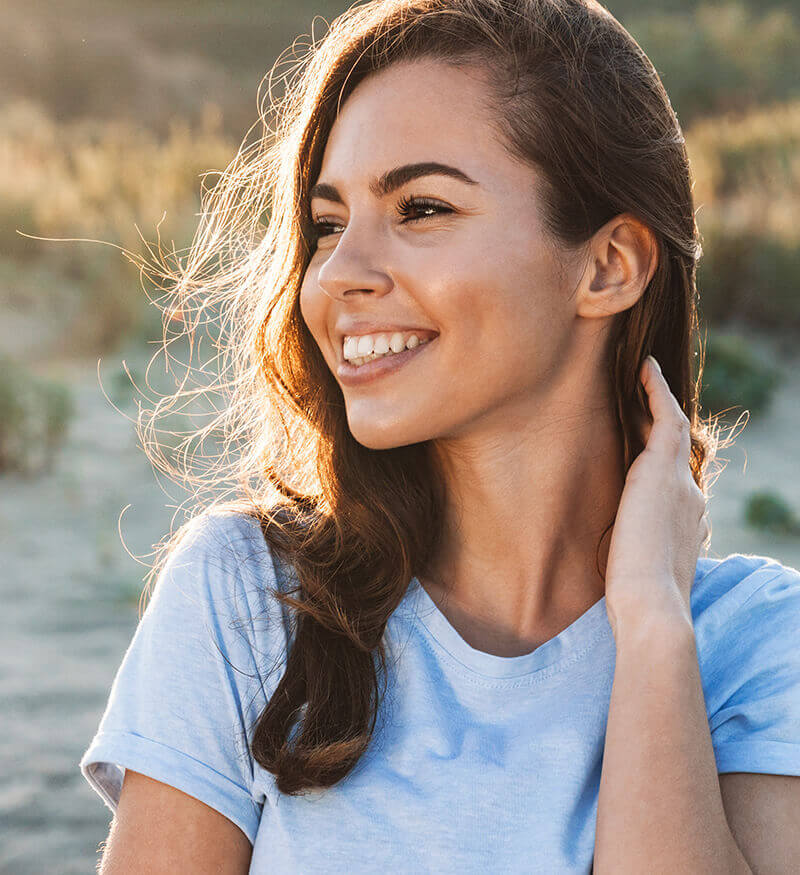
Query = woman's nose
x=354 y=266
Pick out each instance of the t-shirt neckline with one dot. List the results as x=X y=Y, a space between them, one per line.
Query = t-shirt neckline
x=581 y=633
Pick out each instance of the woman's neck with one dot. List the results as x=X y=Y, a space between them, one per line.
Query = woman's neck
x=519 y=559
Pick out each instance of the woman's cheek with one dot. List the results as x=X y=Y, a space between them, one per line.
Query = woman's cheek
x=312 y=309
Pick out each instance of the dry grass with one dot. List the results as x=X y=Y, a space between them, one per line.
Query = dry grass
x=97 y=181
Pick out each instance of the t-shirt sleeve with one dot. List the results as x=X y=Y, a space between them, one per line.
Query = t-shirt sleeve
x=756 y=677
x=191 y=683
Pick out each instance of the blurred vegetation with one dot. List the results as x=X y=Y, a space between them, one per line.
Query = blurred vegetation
x=734 y=379
x=746 y=171
x=720 y=57
x=100 y=181
x=34 y=416
x=769 y=512
x=153 y=61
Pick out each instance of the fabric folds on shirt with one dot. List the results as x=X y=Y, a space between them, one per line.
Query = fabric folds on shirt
x=479 y=763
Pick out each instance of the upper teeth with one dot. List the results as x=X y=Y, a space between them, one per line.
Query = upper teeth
x=358 y=347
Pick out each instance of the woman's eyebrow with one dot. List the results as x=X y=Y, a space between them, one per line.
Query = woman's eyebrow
x=394 y=179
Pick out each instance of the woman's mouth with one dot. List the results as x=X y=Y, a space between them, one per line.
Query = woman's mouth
x=355 y=375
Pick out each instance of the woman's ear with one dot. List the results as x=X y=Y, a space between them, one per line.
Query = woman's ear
x=622 y=259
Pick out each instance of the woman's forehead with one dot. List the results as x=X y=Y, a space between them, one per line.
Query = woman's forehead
x=432 y=103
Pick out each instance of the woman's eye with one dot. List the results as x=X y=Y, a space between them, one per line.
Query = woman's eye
x=318 y=228
x=407 y=207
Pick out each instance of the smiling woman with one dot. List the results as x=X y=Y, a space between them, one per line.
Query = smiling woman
x=480 y=225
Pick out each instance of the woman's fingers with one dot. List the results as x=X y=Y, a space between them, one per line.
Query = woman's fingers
x=671 y=430
x=672 y=434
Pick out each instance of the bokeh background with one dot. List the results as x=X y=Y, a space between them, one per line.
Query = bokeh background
x=109 y=114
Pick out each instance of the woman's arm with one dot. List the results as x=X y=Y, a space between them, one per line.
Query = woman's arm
x=159 y=829
x=660 y=807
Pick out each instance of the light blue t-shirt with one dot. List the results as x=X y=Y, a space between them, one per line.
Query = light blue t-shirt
x=480 y=763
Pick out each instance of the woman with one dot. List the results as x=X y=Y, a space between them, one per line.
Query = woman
x=503 y=653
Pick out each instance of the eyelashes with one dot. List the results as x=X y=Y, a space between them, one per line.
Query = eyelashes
x=406 y=207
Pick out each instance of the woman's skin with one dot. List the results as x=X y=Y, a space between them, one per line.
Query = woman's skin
x=513 y=391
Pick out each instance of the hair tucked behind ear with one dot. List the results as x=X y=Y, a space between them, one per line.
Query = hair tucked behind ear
x=572 y=94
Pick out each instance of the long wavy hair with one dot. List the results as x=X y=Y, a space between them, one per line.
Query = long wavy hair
x=576 y=98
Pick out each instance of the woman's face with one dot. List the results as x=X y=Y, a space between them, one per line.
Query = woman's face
x=474 y=267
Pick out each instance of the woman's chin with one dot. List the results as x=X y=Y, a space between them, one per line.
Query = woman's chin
x=377 y=441
x=384 y=438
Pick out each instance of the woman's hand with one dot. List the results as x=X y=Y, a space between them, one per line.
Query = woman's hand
x=661 y=521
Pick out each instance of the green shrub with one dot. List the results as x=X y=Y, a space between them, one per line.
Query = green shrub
x=34 y=416
x=768 y=511
x=746 y=185
x=751 y=276
x=721 y=56
x=734 y=378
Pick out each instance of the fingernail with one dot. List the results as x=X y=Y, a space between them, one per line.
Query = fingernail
x=652 y=359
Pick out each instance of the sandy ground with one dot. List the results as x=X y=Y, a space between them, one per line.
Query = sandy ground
x=69 y=591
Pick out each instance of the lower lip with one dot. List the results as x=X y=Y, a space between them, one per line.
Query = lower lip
x=356 y=375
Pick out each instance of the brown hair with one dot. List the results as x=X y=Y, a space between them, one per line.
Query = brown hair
x=576 y=97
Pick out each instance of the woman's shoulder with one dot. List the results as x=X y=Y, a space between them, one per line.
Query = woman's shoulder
x=205 y=658
x=747 y=620
x=222 y=527
x=223 y=562
x=744 y=596
x=232 y=540
x=728 y=582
